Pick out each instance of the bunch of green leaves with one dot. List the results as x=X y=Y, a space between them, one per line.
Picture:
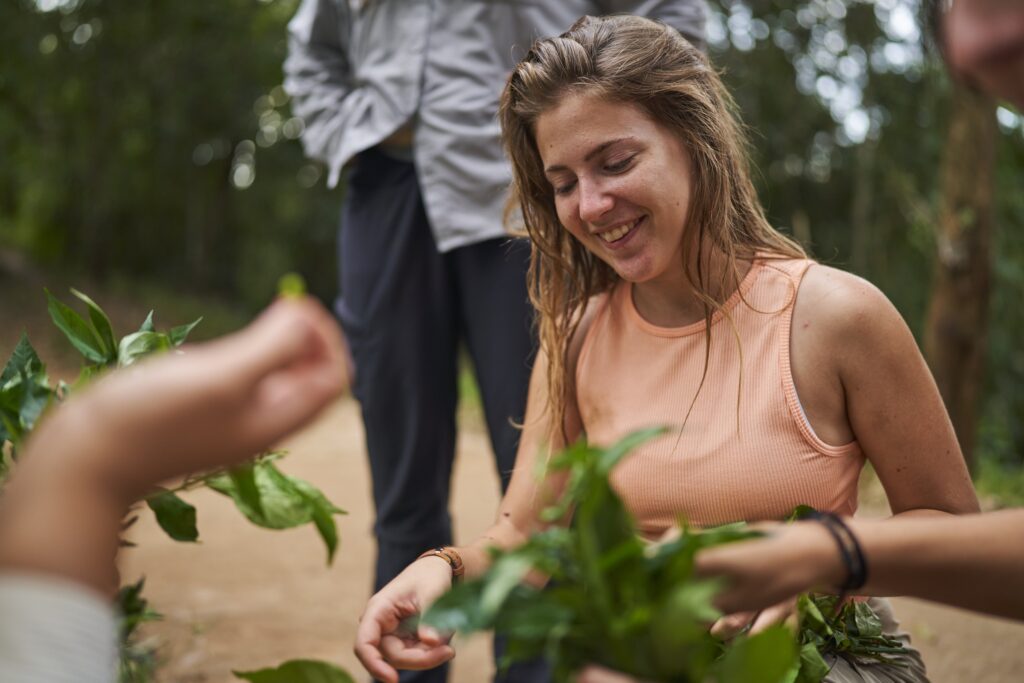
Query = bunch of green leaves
x=614 y=601
x=852 y=632
x=611 y=600
x=93 y=337
x=138 y=661
x=24 y=394
x=266 y=496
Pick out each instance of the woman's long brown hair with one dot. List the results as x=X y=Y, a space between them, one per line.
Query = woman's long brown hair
x=650 y=65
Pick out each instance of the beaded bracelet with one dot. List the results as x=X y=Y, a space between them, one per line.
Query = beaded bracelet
x=449 y=555
x=849 y=549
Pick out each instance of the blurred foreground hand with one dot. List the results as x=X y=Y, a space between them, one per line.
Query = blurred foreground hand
x=210 y=405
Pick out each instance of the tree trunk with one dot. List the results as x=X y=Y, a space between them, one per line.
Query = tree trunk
x=861 y=206
x=956 y=328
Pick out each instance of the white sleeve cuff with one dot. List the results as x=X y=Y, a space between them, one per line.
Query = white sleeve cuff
x=53 y=630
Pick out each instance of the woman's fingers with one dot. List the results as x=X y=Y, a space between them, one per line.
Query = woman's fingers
x=772 y=616
x=367 y=649
x=731 y=625
x=412 y=653
x=597 y=674
x=432 y=636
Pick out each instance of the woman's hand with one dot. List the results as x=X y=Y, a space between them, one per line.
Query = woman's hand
x=762 y=573
x=752 y=622
x=597 y=674
x=216 y=404
x=383 y=643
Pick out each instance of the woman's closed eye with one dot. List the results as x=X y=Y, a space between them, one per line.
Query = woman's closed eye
x=620 y=166
x=564 y=188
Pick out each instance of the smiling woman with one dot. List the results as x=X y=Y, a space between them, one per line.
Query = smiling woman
x=665 y=297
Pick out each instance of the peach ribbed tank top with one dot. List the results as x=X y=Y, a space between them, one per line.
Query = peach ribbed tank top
x=717 y=469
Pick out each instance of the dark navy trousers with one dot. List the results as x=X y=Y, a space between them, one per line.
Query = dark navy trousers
x=406 y=309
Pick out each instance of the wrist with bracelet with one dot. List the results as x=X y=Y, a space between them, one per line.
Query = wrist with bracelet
x=850 y=551
x=449 y=555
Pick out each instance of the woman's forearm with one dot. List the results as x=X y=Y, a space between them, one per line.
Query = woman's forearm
x=971 y=561
x=56 y=524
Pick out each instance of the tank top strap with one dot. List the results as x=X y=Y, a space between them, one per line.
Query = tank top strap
x=794 y=268
x=789 y=273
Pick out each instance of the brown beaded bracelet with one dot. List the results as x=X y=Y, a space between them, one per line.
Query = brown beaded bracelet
x=449 y=555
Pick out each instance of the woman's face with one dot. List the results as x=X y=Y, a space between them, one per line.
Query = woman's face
x=621 y=184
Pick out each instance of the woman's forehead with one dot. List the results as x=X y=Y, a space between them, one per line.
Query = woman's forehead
x=579 y=123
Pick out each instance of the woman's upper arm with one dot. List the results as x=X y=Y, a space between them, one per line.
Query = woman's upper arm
x=530 y=491
x=892 y=402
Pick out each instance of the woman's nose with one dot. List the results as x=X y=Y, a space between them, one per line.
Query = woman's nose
x=595 y=202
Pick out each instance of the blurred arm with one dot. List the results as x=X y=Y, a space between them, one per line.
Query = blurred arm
x=318 y=75
x=217 y=404
x=971 y=561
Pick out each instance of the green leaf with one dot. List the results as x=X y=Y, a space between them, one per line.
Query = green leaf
x=270 y=499
x=799 y=512
x=180 y=333
x=298 y=671
x=284 y=505
x=78 y=332
x=101 y=325
x=507 y=573
x=147 y=324
x=240 y=484
x=813 y=667
x=10 y=428
x=22 y=400
x=176 y=517
x=678 y=628
x=323 y=515
x=133 y=608
x=25 y=358
x=611 y=456
x=291 y=285
x=459 y=609
x=868 y=623
x=531 y=614
x=767 y=657
x=35 y=399
x=811 y=617
x=139 y=345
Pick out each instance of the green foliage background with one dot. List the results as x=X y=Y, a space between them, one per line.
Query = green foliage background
x=151 y=140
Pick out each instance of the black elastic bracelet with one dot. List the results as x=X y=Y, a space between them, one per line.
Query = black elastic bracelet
x=849 y=548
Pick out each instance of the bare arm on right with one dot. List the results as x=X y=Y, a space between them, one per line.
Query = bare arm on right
x=970 y=561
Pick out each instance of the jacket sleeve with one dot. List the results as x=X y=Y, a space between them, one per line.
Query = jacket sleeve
x=318 y=75
x=686 y=16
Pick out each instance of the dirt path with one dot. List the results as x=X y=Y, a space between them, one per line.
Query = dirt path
x=246 y=598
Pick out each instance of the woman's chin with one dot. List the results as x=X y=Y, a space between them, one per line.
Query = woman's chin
x=636 y=271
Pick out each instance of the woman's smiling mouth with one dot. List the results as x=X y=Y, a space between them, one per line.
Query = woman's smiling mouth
x=616 y=235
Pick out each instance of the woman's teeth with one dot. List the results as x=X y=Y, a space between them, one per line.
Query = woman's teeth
x=619 y=232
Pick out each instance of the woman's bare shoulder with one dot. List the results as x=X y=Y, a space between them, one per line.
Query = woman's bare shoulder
x=848 y=313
